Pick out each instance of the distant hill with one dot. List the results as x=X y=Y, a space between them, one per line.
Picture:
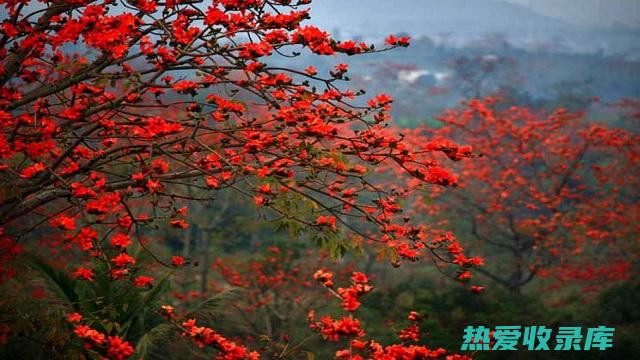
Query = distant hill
x=468 y=20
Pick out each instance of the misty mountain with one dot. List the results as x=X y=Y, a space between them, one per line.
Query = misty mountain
x=465 y=21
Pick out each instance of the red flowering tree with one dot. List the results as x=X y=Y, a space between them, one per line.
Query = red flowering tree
x=349 y=330
x=277 y=289
x=549 y=195
x=114 y=114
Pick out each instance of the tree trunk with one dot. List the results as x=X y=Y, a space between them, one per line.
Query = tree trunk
x=205 y=261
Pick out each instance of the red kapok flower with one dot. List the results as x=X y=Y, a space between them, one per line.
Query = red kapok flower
x=120 y=241
x=324 y=277
x=82 y=273
x=32 y=170
x=63 y=222
x=74 y=317
x=178 y=261
x=118 y=348
x=327 y=221
x=123 y=260
x=179 y=224
x=89 y=334
x=143 y=281
x=359 y=278
x=168 y=311
x=395 y=41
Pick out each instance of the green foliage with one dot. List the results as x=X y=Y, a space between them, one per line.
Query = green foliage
x=213 y=306
x=60 y=285
x=621 y=304
x=336 y=245
x=109 y=307
x=447 y=309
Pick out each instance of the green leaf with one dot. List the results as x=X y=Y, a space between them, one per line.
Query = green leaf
x=58 y=282
x=138 y=307
x=148 y=346
x=108 y=326
x=213 y=305
x=335 y=244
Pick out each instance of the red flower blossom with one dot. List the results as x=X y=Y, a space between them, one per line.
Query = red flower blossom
x=359 y=278
x=179 y=223
x=185 y=86
x=204 y=336
x=324 y=277
x=83 y=273
x=255 y=50
x=120 y=241
x=394 y=41
x=123 y=259
x=120 y=273
x=410 y=333
x=332 y=329
x=74 y=317
x=215 y=16
x=327 y=221
x=32 y=170
x=104 y=204
x=154 y=186
x=118 y=348
x=85 y=238
x=178 y=261
x=259 y=200
x=168 y=311
x=89 y=334
x=143 y=281
x=212 y=182
x=63 y=222
x=317 y=40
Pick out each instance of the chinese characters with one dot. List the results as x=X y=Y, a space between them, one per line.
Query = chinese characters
x=536 y=338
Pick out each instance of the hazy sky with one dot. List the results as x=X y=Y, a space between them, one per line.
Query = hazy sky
x=592 y=12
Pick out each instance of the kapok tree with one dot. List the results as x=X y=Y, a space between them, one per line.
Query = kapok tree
x=277 y=291
x=110 y=111
x=553 y=194
x=348 y=330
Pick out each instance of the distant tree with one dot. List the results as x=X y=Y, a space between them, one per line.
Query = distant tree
x=547 y=195
x=481 y=75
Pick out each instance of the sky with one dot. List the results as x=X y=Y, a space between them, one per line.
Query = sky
x=581 y=12
x=588 y=12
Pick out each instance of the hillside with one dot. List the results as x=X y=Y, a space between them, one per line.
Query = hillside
x=467 y=20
